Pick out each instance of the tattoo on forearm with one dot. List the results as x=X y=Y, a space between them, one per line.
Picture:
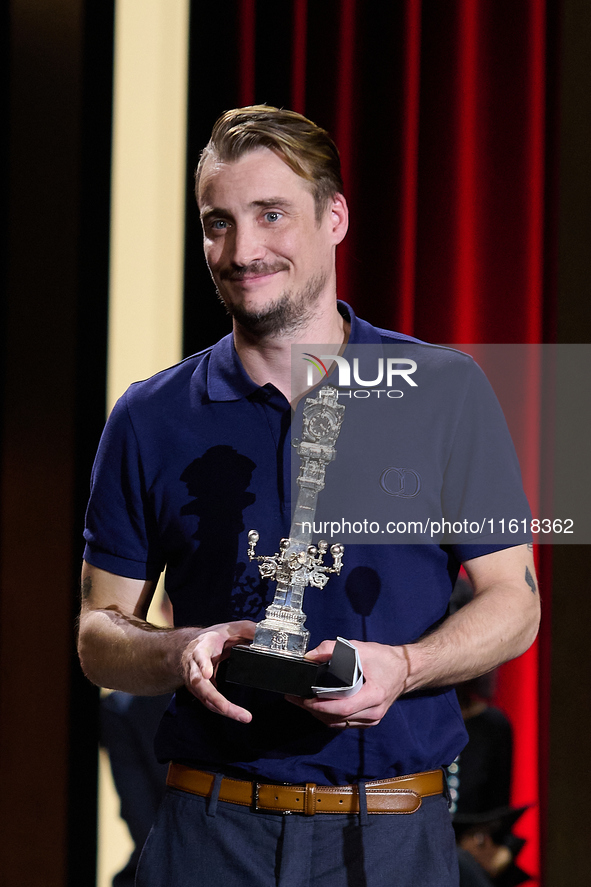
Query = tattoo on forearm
x=86 y=588
x=118 y=616
x=530 y=546
x=530 y=580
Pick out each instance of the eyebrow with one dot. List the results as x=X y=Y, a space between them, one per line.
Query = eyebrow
x=262 y=204
x=273 y=201
x=215 y=213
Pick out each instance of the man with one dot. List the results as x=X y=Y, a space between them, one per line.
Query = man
x=198 y=455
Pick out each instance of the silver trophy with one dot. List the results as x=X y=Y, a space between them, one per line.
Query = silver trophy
x=275 y=659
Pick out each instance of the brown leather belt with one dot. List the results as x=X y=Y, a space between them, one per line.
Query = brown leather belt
x=402 y=794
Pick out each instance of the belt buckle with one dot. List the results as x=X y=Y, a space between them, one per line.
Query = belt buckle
x=255 y=801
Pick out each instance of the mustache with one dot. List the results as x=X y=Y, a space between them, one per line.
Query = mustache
x=240 y=272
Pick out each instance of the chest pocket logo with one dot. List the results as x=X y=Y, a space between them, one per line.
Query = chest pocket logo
x=405 y=483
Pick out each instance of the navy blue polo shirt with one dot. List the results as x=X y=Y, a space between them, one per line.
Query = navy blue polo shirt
x=191 y=460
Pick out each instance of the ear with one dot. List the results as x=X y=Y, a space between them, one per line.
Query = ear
x=338 y=212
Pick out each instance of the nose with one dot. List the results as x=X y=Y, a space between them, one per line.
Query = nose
x=247 y=245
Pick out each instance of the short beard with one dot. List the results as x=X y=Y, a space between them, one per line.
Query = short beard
x=286 y=315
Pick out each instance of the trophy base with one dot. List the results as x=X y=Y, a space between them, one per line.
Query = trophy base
x=272 y=671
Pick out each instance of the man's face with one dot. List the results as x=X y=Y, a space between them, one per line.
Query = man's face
x=270 y=258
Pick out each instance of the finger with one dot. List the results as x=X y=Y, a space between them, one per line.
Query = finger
x=295 y=700
x=210 y=696
x=364 y=718
x=329 y=720
x=222 y=706
x=349 y=725
x=363 y=709
x=322 y=652
x=210 y=644
x=233 y=642
x=335 y=708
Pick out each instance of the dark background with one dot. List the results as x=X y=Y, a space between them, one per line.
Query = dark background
x=464 y=129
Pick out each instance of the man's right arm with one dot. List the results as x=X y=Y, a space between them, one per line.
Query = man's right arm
x=120 y=650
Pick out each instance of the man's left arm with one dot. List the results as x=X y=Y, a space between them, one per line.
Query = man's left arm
x=500 y=623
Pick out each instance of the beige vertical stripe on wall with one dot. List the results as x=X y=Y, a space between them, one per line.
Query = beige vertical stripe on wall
x=147 y=242
x=148 y=190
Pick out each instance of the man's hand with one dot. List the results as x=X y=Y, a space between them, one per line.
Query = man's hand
x=500 y=623
x=120 y=650
x=385 y=670
x=200 y=660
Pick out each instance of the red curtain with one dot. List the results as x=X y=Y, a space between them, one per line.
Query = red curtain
x=444 y=114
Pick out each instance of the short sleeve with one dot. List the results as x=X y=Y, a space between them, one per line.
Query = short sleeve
x=483 y=490
x=120 y=529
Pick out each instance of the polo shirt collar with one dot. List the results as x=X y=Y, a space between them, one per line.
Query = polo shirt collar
x=226 y=377
x=228 y=380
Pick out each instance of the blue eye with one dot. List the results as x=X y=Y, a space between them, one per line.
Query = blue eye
x=272 y=216
x=219 y=225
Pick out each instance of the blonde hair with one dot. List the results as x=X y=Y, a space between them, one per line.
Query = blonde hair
x=305 y=147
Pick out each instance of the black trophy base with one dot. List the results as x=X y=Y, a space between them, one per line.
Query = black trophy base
x=272 y=671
